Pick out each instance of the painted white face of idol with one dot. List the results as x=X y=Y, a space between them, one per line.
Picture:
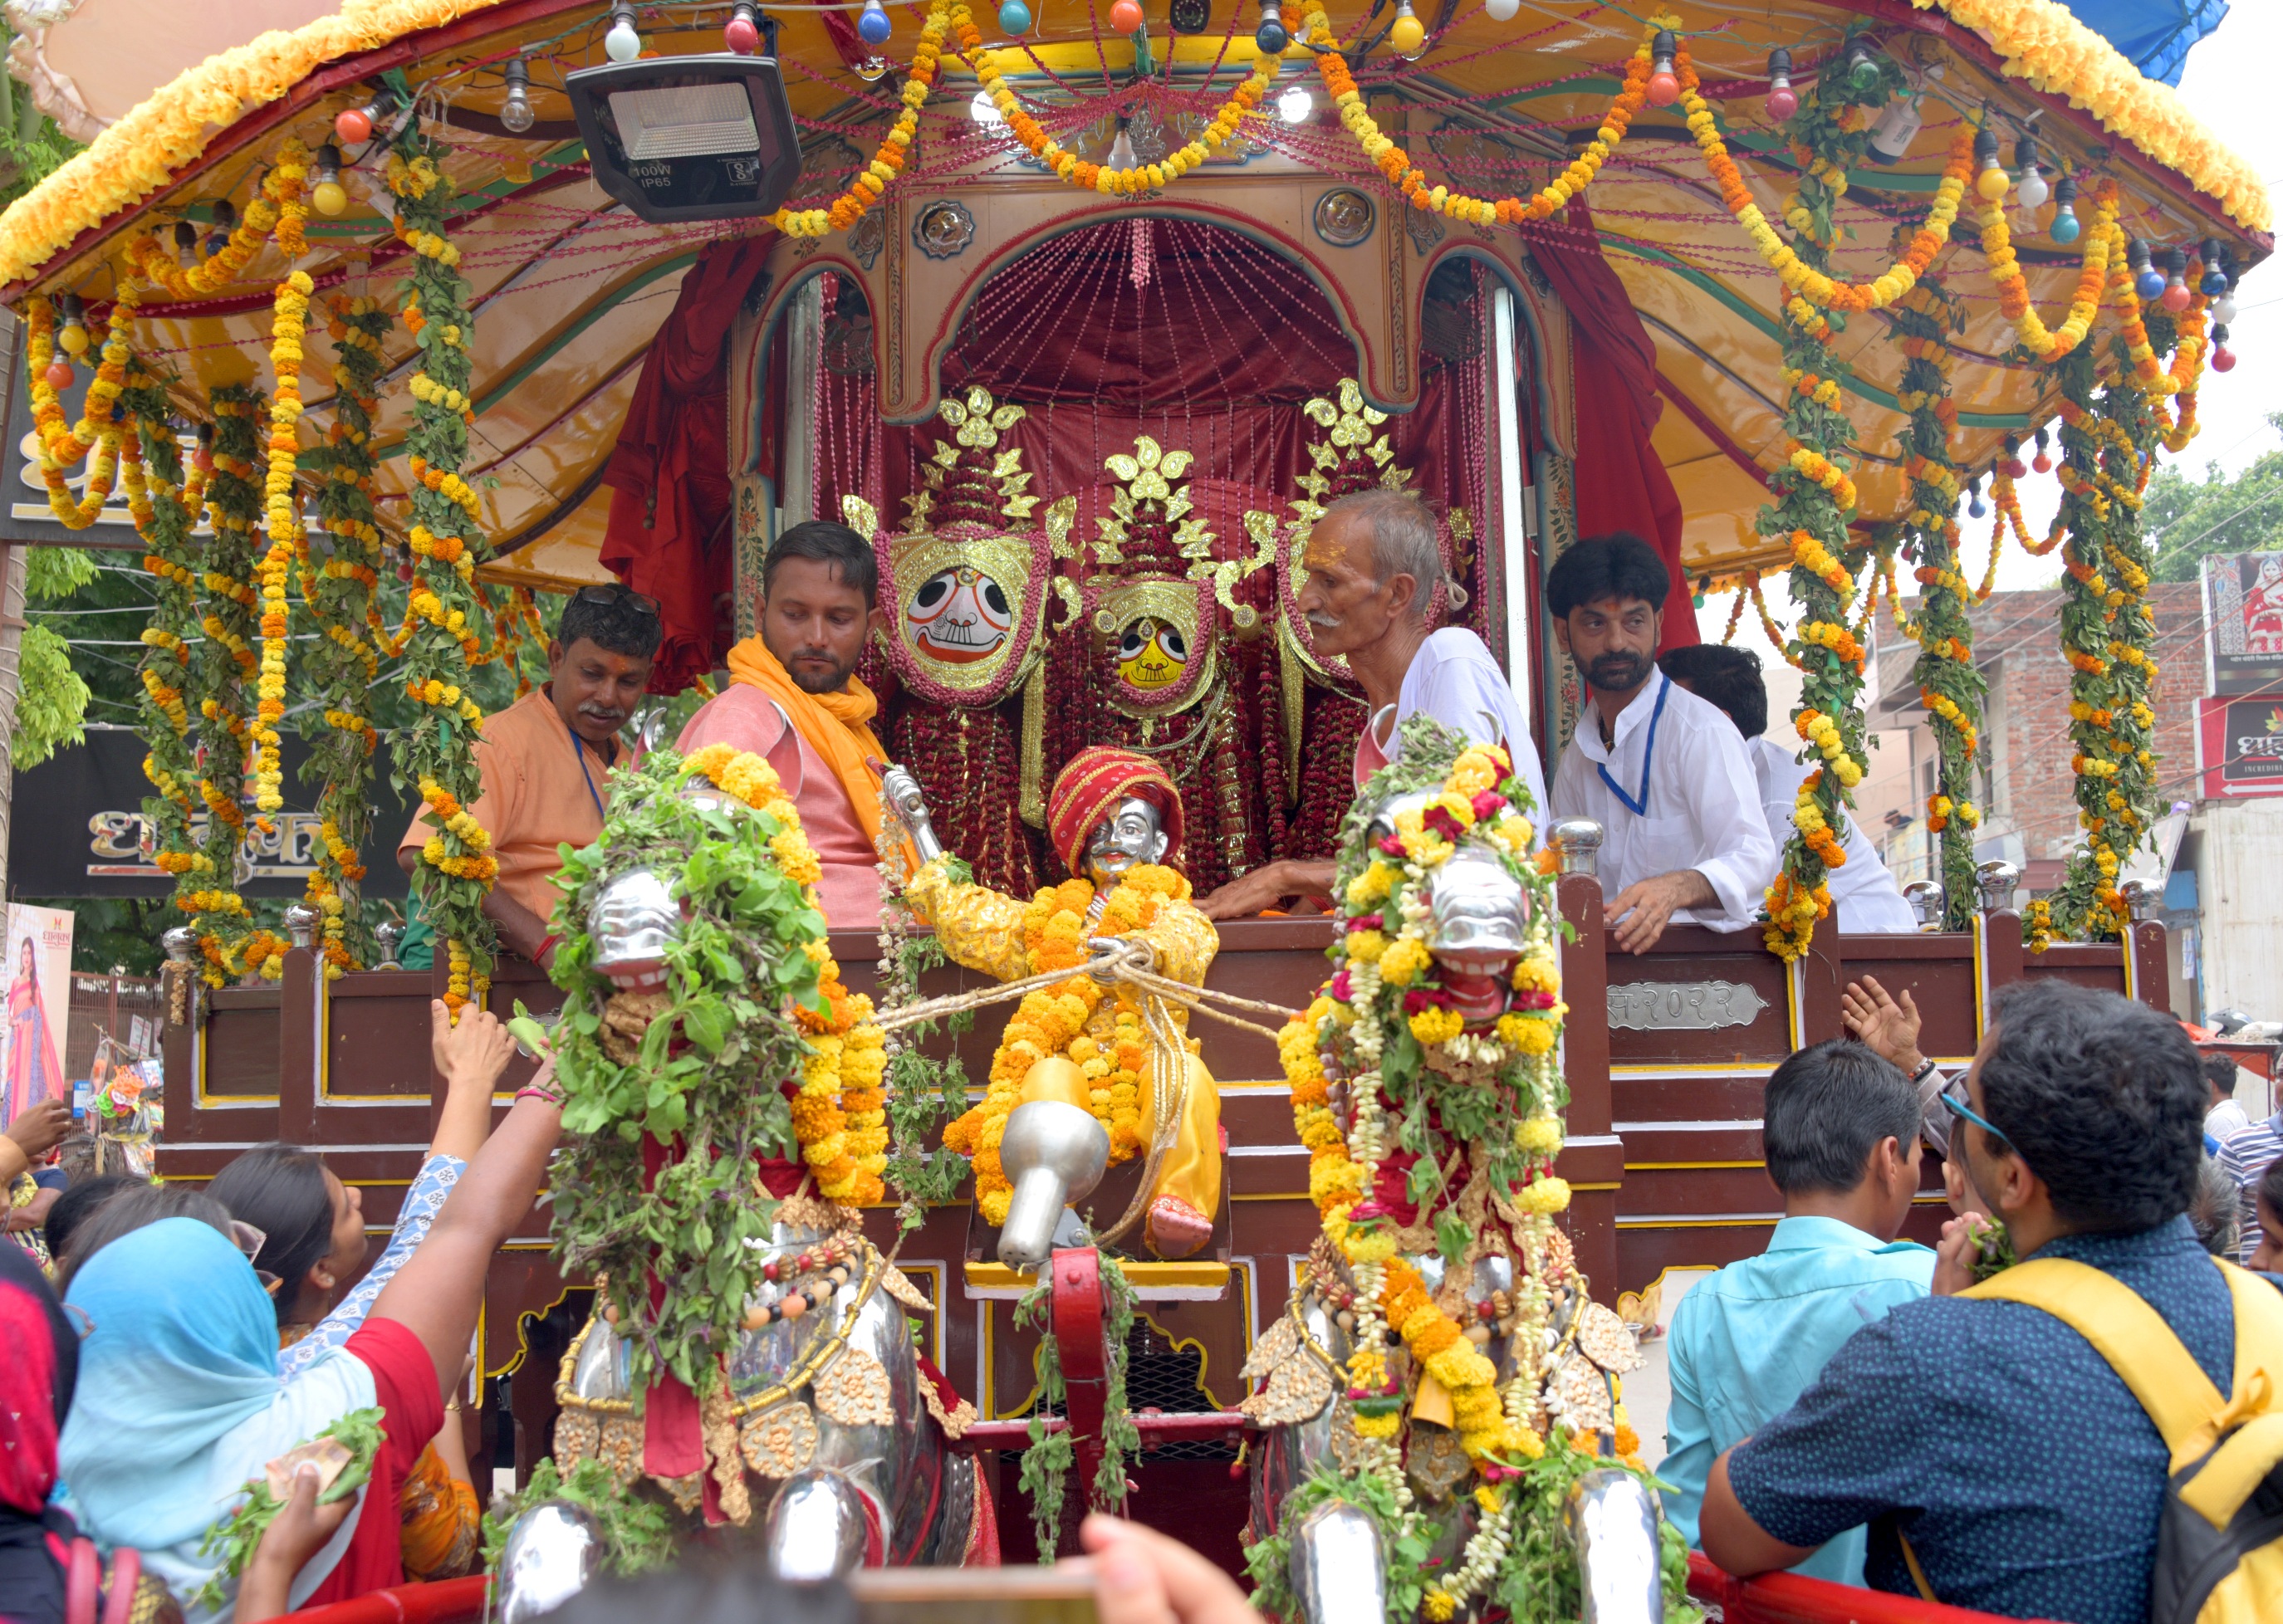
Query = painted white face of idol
x=959 y=616
x=1133 y=833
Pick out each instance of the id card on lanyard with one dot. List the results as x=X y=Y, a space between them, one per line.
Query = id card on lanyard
x=594 y=795
x=1639 y=806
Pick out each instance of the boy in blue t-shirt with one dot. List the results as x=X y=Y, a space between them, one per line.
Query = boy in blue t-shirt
x=1839 y=1133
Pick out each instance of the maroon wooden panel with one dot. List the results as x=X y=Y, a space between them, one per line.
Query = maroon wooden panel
x=1683 y=1098
x=2099 y=967
x=1692 y=953
x=1937 y=970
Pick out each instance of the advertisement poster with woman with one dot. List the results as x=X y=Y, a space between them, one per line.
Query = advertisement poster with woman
x=32 y=1046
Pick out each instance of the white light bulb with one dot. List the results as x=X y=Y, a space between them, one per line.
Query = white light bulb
x=1296 y=104
x=516 y=113
x=983 y=109
x=2032 y=191
x=622 y=43
x=1501 y=11
x=2223 y=310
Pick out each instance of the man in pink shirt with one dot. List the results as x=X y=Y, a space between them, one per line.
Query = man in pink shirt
x=794 y=698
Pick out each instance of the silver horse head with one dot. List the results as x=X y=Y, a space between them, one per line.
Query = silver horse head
x=633 y=922
x=553 y=1553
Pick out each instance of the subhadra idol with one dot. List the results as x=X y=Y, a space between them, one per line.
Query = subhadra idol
x=1440 y=1396
x=1096 y=1069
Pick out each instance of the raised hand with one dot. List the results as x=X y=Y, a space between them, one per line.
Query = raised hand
x=1886 y=1025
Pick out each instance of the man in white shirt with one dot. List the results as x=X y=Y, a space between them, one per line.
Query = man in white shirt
x=1865 y=894
x=1662 y=771
x=1372 y=567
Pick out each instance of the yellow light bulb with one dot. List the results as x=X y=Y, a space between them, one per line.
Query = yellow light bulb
x=331 y=196
x=72 y=337
x=1407 y=34
x=1992 y=183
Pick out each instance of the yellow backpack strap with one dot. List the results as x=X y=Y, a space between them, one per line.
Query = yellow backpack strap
x=2139 y=1346
x=2254 y=1411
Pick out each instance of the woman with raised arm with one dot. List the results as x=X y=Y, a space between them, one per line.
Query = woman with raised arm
x=181 y=1404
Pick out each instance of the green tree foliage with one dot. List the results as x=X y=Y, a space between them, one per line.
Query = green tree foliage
x=2189 y=519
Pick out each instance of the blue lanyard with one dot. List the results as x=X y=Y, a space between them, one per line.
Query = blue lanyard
x=1639 y=808
x=579 y=751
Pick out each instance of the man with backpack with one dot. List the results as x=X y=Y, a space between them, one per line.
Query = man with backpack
x=2092 y=1435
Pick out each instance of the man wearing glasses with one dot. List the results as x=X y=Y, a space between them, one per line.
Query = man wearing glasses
x=1999 y=1460
x=546 y=760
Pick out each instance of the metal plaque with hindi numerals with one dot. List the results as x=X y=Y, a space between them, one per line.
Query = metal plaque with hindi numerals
x=1683 y=1006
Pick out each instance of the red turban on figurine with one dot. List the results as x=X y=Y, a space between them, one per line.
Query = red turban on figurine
x=1094 y=781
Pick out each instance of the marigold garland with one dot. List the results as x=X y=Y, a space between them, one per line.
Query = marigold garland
x=438 y=748
x=279 y=209
x=96 y=433
x=165 y=507
x=289 y=312
x=1101 y=178
x=1414 y=182
x=1052 y=1020
x=2101 y=238
x=2043 y=43
x=1948 y=684
x=1813 y=492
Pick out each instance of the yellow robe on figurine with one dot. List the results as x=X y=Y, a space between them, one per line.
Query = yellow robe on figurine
x=1142 y=1088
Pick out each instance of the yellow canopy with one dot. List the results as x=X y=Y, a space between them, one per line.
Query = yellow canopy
x=569 y=289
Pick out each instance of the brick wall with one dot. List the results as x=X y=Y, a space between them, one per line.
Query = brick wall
x=2027 y=789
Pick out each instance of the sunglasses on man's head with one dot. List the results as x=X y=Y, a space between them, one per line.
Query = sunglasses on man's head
x=641 y=603
x=1959 y=1108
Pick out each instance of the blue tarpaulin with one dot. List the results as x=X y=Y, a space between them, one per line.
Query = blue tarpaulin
x=2154 y=35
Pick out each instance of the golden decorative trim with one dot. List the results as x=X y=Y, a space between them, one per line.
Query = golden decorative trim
x=854 y=1390
x=955 y=1421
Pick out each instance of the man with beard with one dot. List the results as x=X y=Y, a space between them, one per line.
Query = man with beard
x=1661 y=771
x=794 y=699
x=1372 y=567
x=546 y=760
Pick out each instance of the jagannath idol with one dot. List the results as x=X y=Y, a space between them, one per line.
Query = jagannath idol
x=1094 y=1041
x=1440 y=1394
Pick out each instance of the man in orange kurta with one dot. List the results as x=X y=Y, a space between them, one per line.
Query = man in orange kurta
x=794 y=698
x=546 y=760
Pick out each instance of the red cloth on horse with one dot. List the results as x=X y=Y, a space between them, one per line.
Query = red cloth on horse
x=669 y=476
x=1621 y=484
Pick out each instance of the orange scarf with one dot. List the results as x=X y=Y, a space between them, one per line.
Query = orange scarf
x=834 y=725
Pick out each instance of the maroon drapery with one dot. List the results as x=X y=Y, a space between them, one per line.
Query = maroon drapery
x=669 y=476
x=1621 y=484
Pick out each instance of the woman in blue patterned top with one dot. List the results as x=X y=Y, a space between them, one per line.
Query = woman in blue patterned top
x=314 y=1232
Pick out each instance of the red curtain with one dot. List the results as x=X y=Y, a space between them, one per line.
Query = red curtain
x=1621 y=484
x=669 y=476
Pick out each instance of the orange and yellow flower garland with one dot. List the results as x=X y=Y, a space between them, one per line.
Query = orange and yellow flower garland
x=895 y=147
x=1054 y=1021
x=280 y=207
x=1100 y=177
x=839 y=1116
x=289 y=312
x=2101 y=238
x=1414 y=182
x=61 y=447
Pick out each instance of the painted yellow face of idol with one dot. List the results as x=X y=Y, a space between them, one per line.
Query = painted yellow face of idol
x=1152 y=655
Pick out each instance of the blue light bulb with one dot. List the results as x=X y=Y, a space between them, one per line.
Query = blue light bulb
x=2149 y=284
x=873 y=28
x=2065 y=227
x=1014 y=18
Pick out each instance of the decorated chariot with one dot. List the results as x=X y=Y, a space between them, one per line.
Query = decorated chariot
x=1082 y=321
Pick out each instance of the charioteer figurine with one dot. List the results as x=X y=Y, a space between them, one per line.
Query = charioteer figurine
x=1100 y=1040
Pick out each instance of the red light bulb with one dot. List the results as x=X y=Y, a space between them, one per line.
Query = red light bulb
x=202 y=459
x=59 y=374
x=741 y=35
x=354 y=125
x=2222 y=358
x=1663 y=88
x=2176 y=296
x=1782 y=102
x=1125 y=16
x=2042 y=463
